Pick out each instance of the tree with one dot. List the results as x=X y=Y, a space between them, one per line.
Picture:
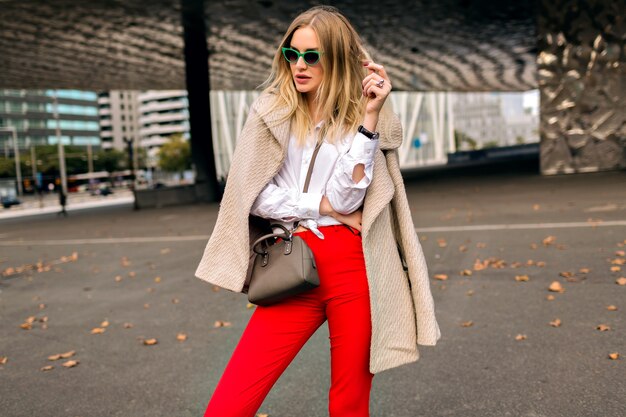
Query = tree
x=175 y=155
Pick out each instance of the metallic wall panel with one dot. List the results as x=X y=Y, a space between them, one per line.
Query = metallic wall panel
x=582 y=78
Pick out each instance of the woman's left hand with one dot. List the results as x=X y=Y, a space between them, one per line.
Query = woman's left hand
x=375 y=92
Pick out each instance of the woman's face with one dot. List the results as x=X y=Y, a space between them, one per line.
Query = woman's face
x=307 y=78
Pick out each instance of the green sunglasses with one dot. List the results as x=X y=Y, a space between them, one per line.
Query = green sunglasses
x=310 y=57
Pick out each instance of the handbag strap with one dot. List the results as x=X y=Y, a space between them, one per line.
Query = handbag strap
x=307 y=181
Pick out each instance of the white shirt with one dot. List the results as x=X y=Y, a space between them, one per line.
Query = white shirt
x=282 y=199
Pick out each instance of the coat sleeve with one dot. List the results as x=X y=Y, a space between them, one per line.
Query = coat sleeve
x=427 y=327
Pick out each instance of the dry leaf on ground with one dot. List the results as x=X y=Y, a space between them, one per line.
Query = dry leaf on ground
x=98 y=330
x=555 y=323
x=521 y=278
x=71 y=364
x=603 y=327
x=467 y=323
x=613 y=355
x=466 y=272
x=181 y=337
x=556 y=287
x=520 y=337
x=219 y=323
x=611 y=307
x=150 y=342
x=620 y=281
x=47 y=368
x=441 y=277
x=4 y=360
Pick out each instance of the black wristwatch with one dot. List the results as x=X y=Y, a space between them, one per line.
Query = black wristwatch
x=370 y=135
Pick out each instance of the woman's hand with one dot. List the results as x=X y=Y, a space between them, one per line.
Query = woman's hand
x=353 y=219
x=376 y=94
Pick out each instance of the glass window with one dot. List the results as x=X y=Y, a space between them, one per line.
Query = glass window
x=74 y=94
x=74 y=125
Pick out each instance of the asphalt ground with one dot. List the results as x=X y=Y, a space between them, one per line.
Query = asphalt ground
x=507 y=221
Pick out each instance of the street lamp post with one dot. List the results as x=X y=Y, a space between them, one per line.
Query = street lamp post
x=16 y=151
x=129 y=144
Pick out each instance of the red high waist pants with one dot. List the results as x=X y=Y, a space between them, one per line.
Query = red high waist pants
x=276 y=333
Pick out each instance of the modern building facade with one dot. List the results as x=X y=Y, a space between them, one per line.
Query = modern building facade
x=490 y=119
x=32 y=114
x=161 y=115
x=119 y=118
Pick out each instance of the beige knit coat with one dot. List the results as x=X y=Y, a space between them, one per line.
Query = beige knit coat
x=402 y=308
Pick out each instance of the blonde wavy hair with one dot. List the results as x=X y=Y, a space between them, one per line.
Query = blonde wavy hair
x=339 y=96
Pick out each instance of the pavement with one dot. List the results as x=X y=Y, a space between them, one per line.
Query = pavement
x=131 y=275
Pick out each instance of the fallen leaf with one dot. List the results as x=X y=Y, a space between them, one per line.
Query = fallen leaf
x=31 y=319
x=533 y=246
x=175 y=301
x=616 y=268
x=618 y=261
x=584 y=270
x=470 y=292
x=550 y=297
x=603 y=327
x=125 y=262
x=614 y=356
x=549 y=240
x=146 y=306
x=47 y=368
x=556 y=287
x=150 y=342
x=536 y=207
x=128 y=325
x=521 y=278
x=520 y=337
x=611 y=307
x=262 y=415
x=441 y=242
x=555 y=323
x=132 y=274
x=26 y=326
x=462 y=248
x=70 y=364
x=566 y=274
x=68 y=354
x=620 y=253
x=4 y=360
x=441 y=277
x=249 y=305
x=104 y=323
x=541 y=264
x=157 y=279
x=216 y=288
x=118 y=278
x=621 y=281
x=165 y=251
x=466 y=272
x=98 y=330
x=467 y=324
x=530 y=262
x=181 y=337
x=42 y=306
x=481 y=245
x=219 y=323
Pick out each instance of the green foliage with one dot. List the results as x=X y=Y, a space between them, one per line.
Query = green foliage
x=175 y=155
x=460 y=137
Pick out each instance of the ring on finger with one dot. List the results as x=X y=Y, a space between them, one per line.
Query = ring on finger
x=380 y=83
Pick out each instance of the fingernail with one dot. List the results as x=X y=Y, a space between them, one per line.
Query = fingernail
x=366 y=63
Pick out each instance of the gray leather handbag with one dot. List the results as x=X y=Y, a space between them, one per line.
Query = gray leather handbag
x=281 y=264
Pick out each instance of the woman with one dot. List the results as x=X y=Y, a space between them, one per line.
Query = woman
x=323 y=87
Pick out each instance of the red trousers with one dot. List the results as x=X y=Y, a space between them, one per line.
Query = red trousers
x=276 y=333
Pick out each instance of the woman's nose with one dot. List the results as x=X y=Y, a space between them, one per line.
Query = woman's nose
x=300 y=63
